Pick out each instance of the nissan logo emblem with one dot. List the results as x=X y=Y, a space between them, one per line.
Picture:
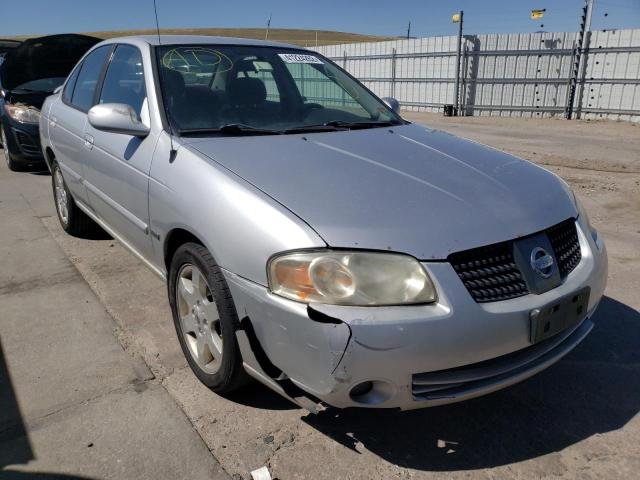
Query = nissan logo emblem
x=541 y=262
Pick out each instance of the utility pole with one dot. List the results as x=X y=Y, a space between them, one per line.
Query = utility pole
x=266 y=35
x=458 y=18
x=409 y=31
x=580 y=60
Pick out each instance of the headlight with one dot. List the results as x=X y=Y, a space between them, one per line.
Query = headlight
x=583 y=218
x=585 y=223
x=350 y=278
x=23 y=113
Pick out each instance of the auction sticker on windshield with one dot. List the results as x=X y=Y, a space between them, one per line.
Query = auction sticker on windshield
x=299 y=58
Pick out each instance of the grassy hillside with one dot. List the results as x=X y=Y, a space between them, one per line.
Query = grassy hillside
x=305 y=38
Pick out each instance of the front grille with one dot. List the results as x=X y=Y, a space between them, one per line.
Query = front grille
x=564 y=240
x=490 y=273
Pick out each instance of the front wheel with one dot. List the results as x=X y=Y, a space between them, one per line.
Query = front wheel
x=11 y=163
x=205 y=318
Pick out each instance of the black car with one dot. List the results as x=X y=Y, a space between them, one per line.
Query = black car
x=29 y=73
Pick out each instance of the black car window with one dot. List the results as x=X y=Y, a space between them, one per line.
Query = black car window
x=88 y=78
x=124 y=82
x=67 y=93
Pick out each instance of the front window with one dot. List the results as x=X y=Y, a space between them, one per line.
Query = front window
x=248 y=89
x=124 y=81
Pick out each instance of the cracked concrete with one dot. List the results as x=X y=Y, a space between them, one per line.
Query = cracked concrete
x=576 y=420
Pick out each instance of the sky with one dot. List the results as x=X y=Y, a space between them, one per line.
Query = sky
x=376 y=17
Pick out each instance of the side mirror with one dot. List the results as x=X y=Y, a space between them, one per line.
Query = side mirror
x=117 y=118
x=393 y=104
x=57 y=90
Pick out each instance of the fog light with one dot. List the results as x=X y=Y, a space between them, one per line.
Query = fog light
x=372 y=392
x=361 y=389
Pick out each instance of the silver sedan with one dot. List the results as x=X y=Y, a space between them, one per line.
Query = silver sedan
x=310 y=237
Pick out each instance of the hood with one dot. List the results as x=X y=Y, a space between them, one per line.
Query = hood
x=53 y=56
x=406 y=189
x=33 y=99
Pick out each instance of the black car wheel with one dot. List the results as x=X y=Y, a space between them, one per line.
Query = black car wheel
x=11 y=163
x=205 y=318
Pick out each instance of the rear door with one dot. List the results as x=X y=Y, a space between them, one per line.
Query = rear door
x=68 y=117
x=117 y=166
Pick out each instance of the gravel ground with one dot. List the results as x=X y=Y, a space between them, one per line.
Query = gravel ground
x=576 y=420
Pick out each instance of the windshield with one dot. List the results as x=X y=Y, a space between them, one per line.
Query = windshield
x=247 y=89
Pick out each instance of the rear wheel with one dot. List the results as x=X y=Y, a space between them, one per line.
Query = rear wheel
x=205 y=318
x=73 y=220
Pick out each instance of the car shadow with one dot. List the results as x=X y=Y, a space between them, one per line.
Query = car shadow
x=95 y=233
x=257 y=395
x=40 y=171
x=15 y=447
x=595 y=389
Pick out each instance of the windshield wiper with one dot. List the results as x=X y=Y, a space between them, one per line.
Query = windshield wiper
x=231 y=129
x=355 y=125
x=313 y=128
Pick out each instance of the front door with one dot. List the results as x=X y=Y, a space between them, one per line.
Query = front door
x=117 y=169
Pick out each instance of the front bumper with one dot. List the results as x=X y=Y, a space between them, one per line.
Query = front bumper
x=415 y=356
x=23 y=142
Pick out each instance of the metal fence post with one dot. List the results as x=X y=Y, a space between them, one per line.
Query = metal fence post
x=583 y=73
x=580 y=62
x=456 y=102
x=465 y=69
x=393 y=73
x=344 y=66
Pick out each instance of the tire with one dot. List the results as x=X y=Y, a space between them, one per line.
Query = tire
x=73 y=220
x=11 y=163
x=205 y=318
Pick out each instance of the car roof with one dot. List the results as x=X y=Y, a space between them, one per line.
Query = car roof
x=196 y=40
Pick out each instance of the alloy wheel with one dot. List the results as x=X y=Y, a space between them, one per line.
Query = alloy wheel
x=199 y=318
x=62 y=200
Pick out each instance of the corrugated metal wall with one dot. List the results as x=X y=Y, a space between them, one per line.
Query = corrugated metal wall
x=523 y=75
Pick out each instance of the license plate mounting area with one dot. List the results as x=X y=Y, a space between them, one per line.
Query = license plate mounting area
x=559 y=315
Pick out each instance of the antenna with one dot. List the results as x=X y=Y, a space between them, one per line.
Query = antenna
x=173 y=152
x=155 y=10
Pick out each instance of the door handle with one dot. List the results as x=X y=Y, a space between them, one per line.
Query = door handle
x=88 y=142
x=53 y=121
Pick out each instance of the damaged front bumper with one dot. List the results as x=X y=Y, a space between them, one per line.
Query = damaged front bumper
x=408 y=356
